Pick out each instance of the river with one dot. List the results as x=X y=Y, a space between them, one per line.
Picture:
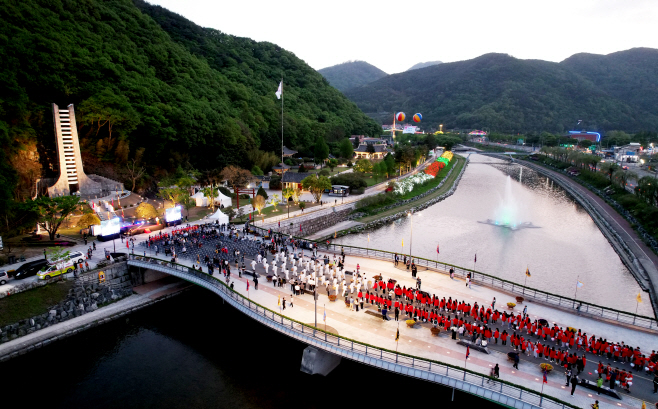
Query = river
x=566 y=247
x=192 y=351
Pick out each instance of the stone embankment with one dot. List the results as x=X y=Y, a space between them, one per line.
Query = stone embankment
x=87 y=295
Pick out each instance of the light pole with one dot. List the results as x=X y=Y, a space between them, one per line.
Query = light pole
x=411 y=235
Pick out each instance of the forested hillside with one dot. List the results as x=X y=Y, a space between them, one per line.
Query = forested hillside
x=351 y=74
x=630 y=76
x=505 y=94
x=175 y=95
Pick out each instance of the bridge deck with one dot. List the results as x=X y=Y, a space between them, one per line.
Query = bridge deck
x=418 y=341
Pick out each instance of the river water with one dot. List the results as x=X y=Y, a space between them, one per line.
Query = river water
x=567 y=246
x=192 y=351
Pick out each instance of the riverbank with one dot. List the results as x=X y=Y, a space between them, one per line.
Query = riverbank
x=634 y=253
x=155 y=292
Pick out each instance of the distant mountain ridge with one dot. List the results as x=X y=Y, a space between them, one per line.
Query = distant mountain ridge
x=424 y=64
x=351 y=74
x=503 y=93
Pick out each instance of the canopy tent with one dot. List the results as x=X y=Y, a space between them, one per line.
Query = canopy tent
x=221 y=217
x=202 y=200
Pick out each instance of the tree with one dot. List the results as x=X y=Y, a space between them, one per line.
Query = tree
x=301 y=169
x=211 y=192
x=302 y=205
x=296 y=195
x=57 y=253
x=262 y=192
x=623 y=176
x=332 y=163
x=286 y=193
x=135 y=172
x=259 y=203
x=316 y=185
x=88 y=219
x=187 y=203
x=609 y=168
x=52 y=211
x=346 y=149
x=370 y=148
x=379 y=169
x=275 y=202
x=320 y=150
x=256 y=171
x=363 y=166
x=172 y=193
x=236 y=177
x=324 y=172
x=145 y=211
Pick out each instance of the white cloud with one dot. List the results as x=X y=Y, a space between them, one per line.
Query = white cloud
x=394 y=35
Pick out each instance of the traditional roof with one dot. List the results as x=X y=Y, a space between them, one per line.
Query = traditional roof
x=288 y=152
x=281 y=166
x=379 y=148
x=294 y=177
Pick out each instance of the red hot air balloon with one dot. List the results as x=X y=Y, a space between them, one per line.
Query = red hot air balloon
x=400 y=116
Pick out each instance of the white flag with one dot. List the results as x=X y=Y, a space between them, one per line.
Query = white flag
x=579 y=284
x=279 y=91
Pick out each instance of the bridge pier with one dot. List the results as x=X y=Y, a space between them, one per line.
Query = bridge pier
x=316 y=361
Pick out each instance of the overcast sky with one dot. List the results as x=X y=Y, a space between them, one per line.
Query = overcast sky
x=394 y=35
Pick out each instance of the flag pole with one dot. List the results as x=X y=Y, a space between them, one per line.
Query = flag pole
x=397 y=342
x=282 y=120
x=575 y=294
x=526 y=276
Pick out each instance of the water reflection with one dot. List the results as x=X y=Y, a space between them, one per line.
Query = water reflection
x=568 y=245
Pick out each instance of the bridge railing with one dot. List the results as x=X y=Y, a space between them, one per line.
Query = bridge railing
x=471 y=377
x=578 y=306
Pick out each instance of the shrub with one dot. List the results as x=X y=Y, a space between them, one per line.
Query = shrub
x=302 y=169
x=511 y=304
x=353 y=180
x=275 y=183
x=324 y=172
x=547 y=367
x=226 y=192
x=146 y=211
x=261 y=192
x=88 y=219
x=288 y=162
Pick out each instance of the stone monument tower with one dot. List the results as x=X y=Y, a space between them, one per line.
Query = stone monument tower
x=72 y=177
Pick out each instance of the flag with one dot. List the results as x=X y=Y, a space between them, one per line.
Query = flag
x=334 y=234
x=468 y=351
x=397 y=336
x=639 y=297
x=527 y=271
x=437 y=249
x=545 y=380
x=279 y=91
x=644 y=405
x=368 y=237
x=279 y=223
x=300 y=227
x=402 y=242
x=249 y=216
x=324 y=317
x=578 y=284
x=247 y=285
x=475 y=260
x=279 y=302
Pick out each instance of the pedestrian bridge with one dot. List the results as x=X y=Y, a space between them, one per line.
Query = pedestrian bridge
x=501 y=392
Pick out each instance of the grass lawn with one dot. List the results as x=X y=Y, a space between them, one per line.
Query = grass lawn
x=32 y=302
x=457 y=164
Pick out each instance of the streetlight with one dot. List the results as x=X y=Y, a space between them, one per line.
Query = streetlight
x=411 y=235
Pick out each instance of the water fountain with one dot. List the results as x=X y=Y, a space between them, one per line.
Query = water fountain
x=508 y=212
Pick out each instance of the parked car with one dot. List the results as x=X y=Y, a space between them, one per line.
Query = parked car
x=77 y=257
x=56 y=269
x=4 y=277
x=29 y=269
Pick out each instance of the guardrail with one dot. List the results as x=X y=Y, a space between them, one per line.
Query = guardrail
x=472 y=382
x=581 y=307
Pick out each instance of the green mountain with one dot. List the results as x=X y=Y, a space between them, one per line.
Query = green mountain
x=506 y=94
x=630 y=76
x=144 y=79
x=424 y=64
x=351 y=74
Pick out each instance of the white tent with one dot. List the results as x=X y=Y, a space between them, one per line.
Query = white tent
x=222 y=218
x=201 y=200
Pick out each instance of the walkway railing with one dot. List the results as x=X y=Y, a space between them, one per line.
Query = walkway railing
x=578 y=306
x=472 y=382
